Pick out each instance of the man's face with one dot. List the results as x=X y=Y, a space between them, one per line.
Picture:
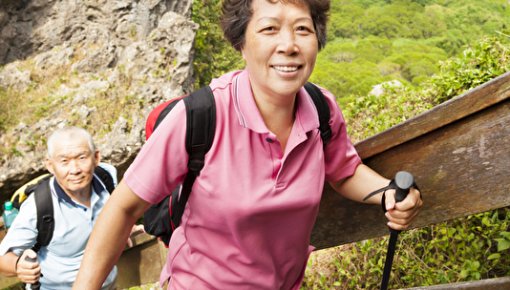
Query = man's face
x=72 y=163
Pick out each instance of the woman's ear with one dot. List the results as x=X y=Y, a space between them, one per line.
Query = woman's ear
x=242 y=54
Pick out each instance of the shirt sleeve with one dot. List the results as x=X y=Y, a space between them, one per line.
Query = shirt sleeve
x=22 y=234
x=162 y=162
x=340 y=155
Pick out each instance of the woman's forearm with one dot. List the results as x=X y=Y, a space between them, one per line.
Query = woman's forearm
x=360 y=184
x=109 y=236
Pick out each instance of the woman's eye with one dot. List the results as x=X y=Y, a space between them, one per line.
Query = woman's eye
x=303 y=29
x=269 y=29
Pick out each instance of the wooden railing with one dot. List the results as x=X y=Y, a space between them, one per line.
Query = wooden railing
x=459 y=153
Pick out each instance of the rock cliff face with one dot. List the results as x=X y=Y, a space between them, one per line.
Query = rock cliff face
x=97 y=64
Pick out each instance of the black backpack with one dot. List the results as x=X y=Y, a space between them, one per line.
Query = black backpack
x=44 y=205
x=161 y=219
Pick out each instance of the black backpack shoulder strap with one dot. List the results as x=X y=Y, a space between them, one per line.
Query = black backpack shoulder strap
x=200 y=129
x=323 y=109
x=44 y=208
x=105 y=177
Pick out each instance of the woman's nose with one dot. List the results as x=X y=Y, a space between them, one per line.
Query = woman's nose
x=287 y=43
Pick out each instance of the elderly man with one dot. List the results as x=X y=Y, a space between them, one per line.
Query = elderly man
x=78 y=196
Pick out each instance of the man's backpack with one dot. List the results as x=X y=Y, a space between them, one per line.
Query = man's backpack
x=161 y=219
x=44 y=205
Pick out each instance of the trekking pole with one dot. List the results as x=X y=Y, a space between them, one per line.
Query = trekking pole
x=36 y=285
x=402 y=183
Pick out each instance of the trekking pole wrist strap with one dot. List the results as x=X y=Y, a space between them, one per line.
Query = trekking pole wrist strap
x=17 y=261
x=391 y=185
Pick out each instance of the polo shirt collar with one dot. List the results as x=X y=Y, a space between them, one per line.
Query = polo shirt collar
x=249 y=115
x=97 y=188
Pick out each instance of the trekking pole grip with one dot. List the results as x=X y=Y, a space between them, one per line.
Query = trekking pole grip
x=403 y=182
x=36 y=285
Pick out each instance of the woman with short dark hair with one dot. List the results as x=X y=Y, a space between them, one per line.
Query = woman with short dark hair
x=249 y=217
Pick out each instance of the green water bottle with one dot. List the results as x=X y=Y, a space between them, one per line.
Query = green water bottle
x=10 y=213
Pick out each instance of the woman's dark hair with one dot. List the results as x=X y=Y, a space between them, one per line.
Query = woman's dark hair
x=237 y=13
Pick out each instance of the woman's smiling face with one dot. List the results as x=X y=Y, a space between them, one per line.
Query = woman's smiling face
x=280 y=48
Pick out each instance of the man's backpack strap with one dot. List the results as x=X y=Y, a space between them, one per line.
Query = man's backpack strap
x=323 y=109
x=105 y=177
x=44 y=209
x=200 y=128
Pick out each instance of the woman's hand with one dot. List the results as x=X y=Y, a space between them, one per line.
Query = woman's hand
x=365 y=180
x=135 y=230
x=401 y=214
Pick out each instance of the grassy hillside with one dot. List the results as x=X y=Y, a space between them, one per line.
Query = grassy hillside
x=371 y=42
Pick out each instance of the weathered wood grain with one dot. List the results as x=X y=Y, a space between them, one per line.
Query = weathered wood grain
x=458 y=152
x=142 y=263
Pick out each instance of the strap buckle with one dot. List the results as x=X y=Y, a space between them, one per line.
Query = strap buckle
x=195 y=165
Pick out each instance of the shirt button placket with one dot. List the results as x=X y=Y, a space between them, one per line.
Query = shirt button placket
x=276 y=153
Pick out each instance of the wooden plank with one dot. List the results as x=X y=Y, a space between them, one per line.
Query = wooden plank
x=142 y=263
x=486 y=284
x=448 y=112
x=462 y=168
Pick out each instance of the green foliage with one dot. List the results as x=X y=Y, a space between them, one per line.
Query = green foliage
x=477 y=65
x=213 y=54
x=503 y=243
x=465 y=249
x=417 y=19
x=369 y=114
x=416 y=35
x=348 y=67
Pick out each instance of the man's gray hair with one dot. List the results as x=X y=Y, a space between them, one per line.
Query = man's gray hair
x=69 y=132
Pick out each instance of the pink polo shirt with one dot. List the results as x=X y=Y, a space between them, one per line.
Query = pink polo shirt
x=249 y=217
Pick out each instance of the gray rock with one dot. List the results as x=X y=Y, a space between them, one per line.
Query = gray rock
x=137 y=51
